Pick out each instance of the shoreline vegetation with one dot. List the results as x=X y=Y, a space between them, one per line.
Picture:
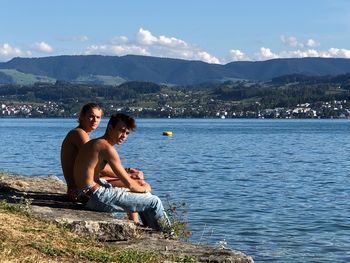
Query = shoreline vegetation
x=286 y=97
x=38 y=224
x=28 y=239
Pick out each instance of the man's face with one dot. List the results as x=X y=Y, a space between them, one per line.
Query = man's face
x=120 y=133
x=91 y=119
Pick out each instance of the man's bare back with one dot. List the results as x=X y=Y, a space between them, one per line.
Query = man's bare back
x=71 y=145
x=89 y=119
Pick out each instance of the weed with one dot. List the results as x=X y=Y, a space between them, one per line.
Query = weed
x=222 y=244
x=177 y=213
x=22 y=207
x=134 y=256
x=48 y=250
x=97 y=256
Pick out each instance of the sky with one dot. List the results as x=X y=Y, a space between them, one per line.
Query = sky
x=213 y=31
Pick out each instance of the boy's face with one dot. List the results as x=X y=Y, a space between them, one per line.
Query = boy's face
x=91 y=119
x=120 y=133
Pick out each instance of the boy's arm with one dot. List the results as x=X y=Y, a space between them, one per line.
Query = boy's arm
x=135 y=174
x=113 y=160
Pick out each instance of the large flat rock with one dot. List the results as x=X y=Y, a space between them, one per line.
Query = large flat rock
x=49 y=202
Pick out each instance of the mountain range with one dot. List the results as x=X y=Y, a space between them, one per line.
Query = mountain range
x=114 y=70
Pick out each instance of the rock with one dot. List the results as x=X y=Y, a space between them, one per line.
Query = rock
x=49 y=202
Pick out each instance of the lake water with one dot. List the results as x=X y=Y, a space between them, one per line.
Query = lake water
x=277 y=190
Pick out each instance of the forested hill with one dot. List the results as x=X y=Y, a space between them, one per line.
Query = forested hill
x=115 y=70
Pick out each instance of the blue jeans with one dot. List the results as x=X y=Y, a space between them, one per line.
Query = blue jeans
x=113 y=199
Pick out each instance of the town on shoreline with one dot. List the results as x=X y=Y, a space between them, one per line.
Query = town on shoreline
x=321 y=110
x=285 y=98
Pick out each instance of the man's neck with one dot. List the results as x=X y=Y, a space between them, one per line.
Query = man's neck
x=107 y=138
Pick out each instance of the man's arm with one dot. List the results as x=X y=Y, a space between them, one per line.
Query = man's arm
x=135 y=174
x=113 y=160
x=108 y=173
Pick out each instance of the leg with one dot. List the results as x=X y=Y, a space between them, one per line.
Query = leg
x=116 y=182
x=109 y=199
x=134 y=216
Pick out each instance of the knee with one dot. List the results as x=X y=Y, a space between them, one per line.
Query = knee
x=156 y=202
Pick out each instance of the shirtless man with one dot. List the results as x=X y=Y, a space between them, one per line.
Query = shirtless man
x=89 y=119
x=99 y=195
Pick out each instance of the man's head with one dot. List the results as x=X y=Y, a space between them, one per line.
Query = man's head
x=90 y=116
x=119 y=127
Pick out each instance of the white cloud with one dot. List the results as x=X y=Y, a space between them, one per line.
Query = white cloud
x=206 y=57
x=116 y=50
x=81 y=38
x=312 y=43
x=145 y=37
x=148 y=44
x=238 y=55
x=289 y=41
x=266 y=53
x=119 y=40
x=339 y=52
x=299 y=53
x=6 y=50
x=172 y=42
x=292 y=41
x=165 y=46
x=42 y=47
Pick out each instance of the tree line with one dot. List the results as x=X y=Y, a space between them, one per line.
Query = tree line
x=286 y=91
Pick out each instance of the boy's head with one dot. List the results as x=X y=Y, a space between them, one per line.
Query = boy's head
x=86 y=109
x=119 y=127
x=90 y=116
x=117 y=118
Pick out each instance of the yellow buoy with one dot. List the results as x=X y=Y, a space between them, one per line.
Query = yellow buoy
x=168 y=133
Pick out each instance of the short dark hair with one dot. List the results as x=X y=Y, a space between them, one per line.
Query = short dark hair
x=86 y=108
x=118 y=117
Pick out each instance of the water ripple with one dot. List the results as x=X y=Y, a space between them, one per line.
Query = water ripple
x=275 y=189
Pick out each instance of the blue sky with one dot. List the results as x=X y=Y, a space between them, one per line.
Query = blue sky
x=219 y=31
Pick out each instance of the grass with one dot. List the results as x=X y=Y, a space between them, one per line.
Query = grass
x=106 y=80
x=177 y=212
x=24 y=238
x=26 y=78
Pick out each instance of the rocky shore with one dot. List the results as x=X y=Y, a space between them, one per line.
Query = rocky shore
x=48 y=202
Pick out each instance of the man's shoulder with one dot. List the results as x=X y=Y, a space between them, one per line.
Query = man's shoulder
x=75 y=135
x=100 y=142
x=77 y=132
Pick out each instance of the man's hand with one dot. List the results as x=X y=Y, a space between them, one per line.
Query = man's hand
x=146 y=185
x=140 y=184
x=135 y=174
x=139 y=178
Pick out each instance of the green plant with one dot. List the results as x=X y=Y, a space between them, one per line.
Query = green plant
x=22 y=207
x=48 y=250
x=177 y=213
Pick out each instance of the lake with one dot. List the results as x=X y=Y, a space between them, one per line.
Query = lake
x=277 y=190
